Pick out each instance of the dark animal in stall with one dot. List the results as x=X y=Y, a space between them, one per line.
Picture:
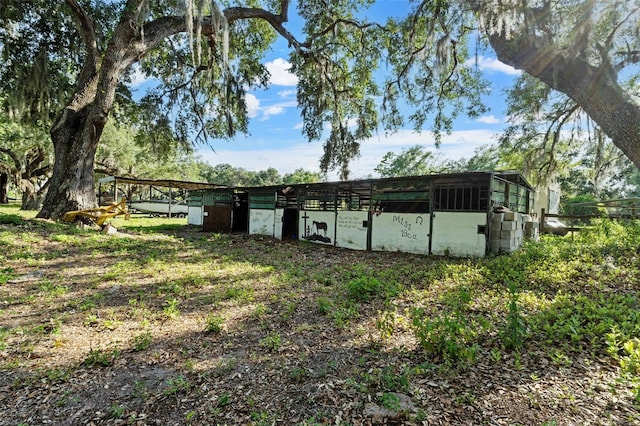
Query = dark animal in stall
x=320 y=226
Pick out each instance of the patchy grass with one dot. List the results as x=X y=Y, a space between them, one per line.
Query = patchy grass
x=162 y=323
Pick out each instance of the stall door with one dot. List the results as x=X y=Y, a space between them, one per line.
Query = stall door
x=217 y=219
x=278 y=221
x=459 y=234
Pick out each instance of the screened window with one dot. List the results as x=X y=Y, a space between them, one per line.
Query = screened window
x=319 y=200
x=460 y=196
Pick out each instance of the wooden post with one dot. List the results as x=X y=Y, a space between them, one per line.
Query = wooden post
x=542 y=214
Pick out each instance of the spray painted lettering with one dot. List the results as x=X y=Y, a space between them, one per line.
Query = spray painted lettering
x=405 y=231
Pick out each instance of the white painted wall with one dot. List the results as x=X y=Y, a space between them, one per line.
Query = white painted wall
x=261 y=221
x=277 y=223
x=407 y=232
x=456 y=233
x=350 y=232
x=307 y=229
x=194 y=216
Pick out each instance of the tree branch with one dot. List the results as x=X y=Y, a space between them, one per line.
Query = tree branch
x=157 y=31
x=87 y=30
x=14 y=157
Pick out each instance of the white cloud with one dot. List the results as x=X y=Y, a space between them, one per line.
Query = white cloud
x=492 y=64
x=138 y=77
x=253 y=105
x=287 y=93
x=488 y=119
x=307 y=155
x=272 y=110
x=280 y=75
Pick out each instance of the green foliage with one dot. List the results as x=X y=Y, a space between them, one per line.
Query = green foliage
x=389 y=378
x=272 y=342
x=171 y=310
x=570 y=205
x=214 y=324
x=142 y=341
x=324 y=305
x=579 y=321
x=117 y=410
x=6 y=274
x=101 y=357
x=514 y=334
x=177 y=385
x=414 y=161
x=390 y=401
x=342 y=314
x=449 y=336
x=364 y=286
x=11 y=219
x=226 y=174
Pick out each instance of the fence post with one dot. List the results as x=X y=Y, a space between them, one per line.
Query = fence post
x=541 y=224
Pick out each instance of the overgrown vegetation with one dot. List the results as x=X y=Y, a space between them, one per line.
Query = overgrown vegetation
x=236 y=329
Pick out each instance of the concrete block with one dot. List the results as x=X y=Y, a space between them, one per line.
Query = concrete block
x=510 y=216
x=497 y=217
x=507 y=235
x=508 y=225
x=508 y=245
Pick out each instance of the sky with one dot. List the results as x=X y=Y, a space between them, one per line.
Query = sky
x=275 y=136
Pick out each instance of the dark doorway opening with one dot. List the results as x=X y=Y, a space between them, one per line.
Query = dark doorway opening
x=290 y=224
x=241 y=212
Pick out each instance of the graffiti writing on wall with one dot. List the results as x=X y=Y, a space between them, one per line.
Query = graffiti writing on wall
x=351 y=222
x=407 y=228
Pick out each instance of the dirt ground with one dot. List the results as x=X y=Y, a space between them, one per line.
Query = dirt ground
x=157 y=329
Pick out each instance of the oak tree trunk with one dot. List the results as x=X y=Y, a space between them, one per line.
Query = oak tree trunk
x=75 y=138
x=4 y=184
x=594 y=88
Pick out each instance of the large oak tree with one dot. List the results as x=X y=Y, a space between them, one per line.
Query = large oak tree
x=207 y=54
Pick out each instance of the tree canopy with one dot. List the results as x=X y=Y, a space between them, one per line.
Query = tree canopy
x=68 y=64
x=414 y=161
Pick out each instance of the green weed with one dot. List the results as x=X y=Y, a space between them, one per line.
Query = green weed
x=100 y=357
x=176 y=385
x=142 y=341
x=6 y=275
x=344 y=314
x=514 y=334
x=170 y=309
x=324 y=305
x=214 y=324
x=390 y=401
x=117 y=410
x=364 y=286
x=272 y=342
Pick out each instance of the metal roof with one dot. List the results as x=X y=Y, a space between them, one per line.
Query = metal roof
x=168 y=183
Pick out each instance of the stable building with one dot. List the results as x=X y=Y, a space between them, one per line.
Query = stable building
x=457 y=214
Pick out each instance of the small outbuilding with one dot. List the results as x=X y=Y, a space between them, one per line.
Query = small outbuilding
x=457 y=214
